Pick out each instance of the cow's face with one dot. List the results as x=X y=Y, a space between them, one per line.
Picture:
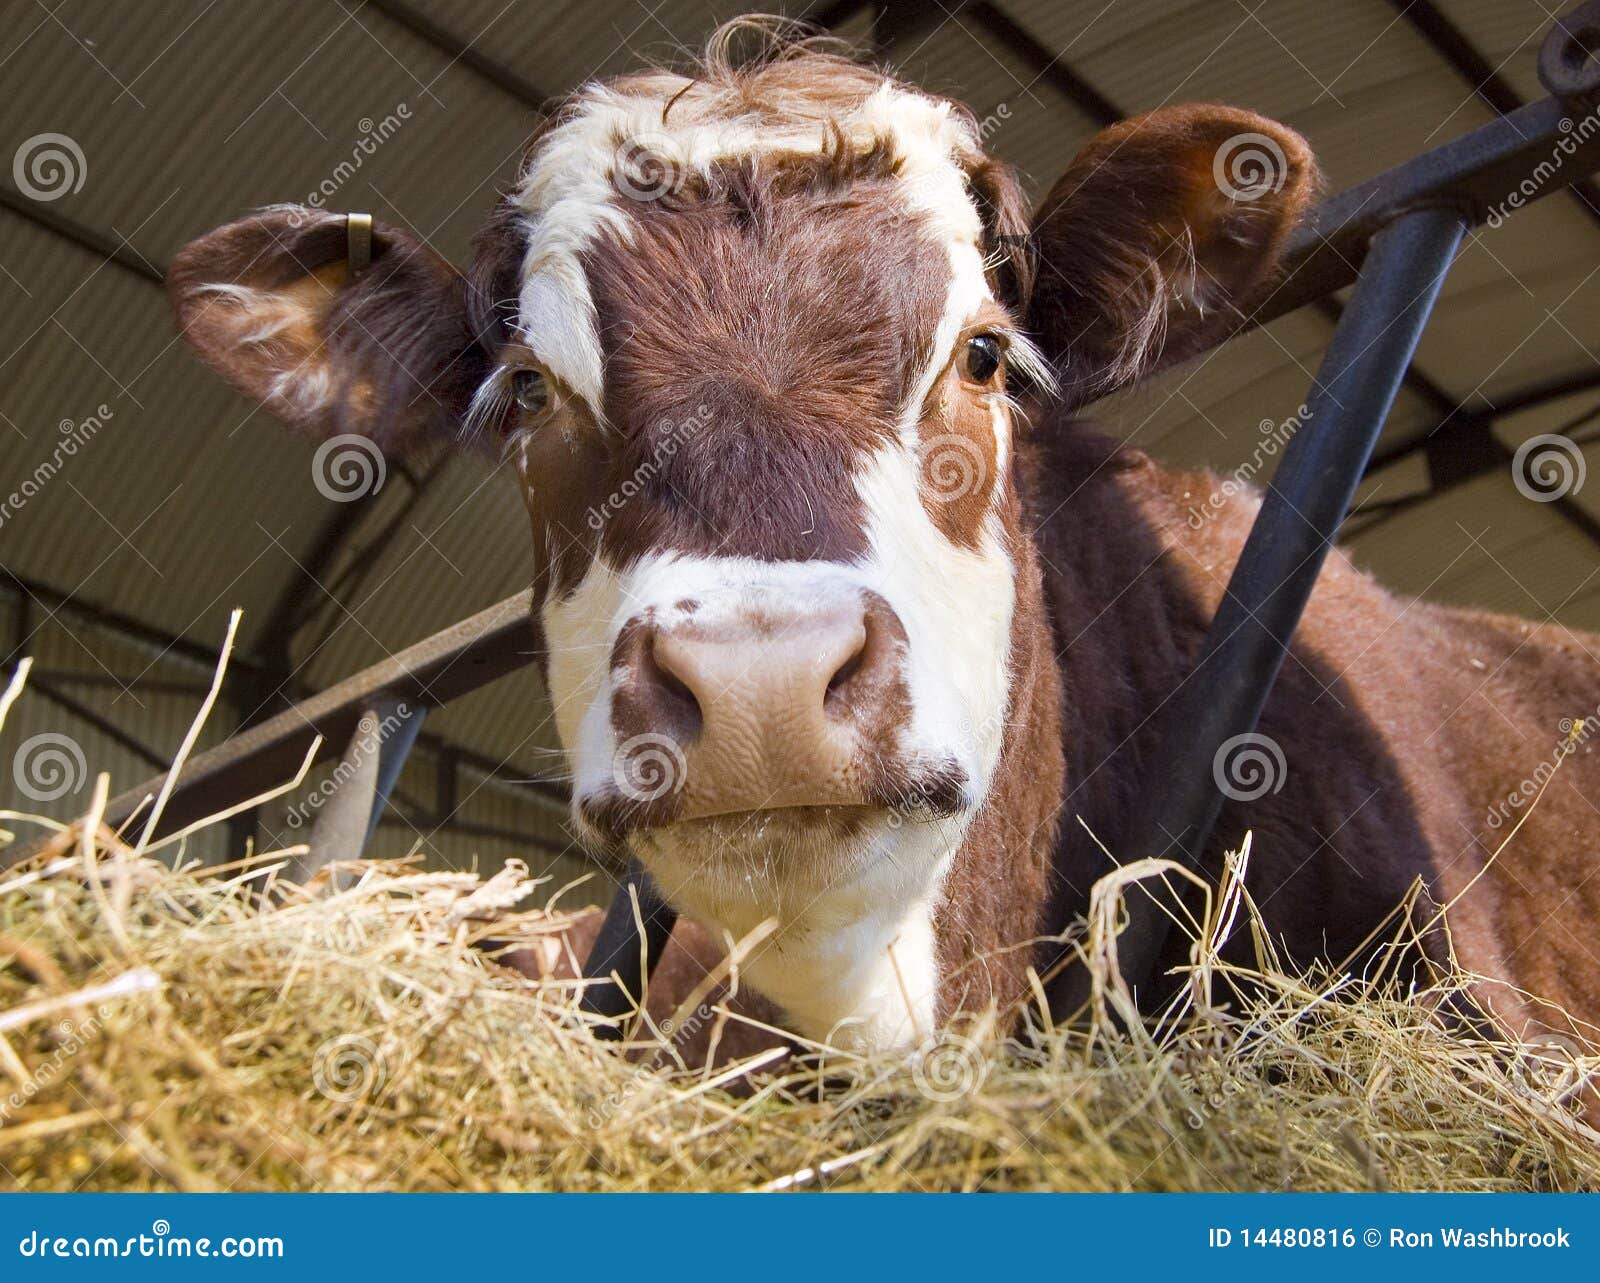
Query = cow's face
x=747 y=344
x=755 y=389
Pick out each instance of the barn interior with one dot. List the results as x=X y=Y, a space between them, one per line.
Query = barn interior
x=180 y=501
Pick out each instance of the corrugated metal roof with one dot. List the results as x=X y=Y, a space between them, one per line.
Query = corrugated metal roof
x=187 y=502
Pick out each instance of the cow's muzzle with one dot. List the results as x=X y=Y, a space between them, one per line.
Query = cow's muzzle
x=722 y=708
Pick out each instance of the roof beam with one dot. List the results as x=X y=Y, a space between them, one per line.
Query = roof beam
x=113 y=250
x=456 y=49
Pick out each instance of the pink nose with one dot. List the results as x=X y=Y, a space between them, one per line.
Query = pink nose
x=773 y=708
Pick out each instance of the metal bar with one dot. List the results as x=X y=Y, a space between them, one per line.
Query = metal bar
x=454 y=662
x=1477 y=171
x=1451 y=43
x=54 y=601
x=619 y=963
x=1224 y=693
x=393 y=750
x=367 y=773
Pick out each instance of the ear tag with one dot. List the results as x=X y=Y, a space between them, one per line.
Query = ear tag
x=358 y=243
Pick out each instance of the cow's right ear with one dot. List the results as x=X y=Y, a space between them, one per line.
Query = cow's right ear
x=331 y=322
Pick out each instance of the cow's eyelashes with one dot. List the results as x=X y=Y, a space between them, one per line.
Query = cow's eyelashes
x=981 y=357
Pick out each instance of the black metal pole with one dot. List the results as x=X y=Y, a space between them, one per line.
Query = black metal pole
x=1305 y=504
x=619 y=963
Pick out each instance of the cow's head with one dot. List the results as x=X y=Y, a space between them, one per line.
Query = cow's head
x=751 y=342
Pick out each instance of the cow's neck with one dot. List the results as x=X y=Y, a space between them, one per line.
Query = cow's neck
x=1128 y=618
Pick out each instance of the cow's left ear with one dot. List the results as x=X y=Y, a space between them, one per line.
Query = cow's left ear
x=333 y=323
x=1159 y=237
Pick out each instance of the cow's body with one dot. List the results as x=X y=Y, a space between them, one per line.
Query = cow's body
x=1403 y=727
x=834 y=636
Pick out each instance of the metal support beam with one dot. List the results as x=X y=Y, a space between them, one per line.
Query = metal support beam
x=365 y=777
x=1305 y=504
x=1451 y=43
x=620 y=962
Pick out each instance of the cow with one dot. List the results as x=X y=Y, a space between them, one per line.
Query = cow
x=846 y=620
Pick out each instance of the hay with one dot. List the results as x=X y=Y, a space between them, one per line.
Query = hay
x=221 y=1028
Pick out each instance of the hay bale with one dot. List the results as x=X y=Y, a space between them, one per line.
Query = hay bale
x=220 y=1028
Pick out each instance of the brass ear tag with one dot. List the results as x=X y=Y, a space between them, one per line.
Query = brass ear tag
x=358 y=243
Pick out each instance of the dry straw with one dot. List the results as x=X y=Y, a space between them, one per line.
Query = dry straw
x=165 y=1025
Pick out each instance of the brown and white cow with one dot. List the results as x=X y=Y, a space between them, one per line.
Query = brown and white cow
x=834 y=633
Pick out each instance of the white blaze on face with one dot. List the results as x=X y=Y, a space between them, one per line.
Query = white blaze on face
x=841 y=912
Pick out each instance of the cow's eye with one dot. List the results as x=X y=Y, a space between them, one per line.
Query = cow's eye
x=981 y=360
x=531 y=390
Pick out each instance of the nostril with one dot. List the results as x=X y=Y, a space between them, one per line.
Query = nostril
x=840 y=694
x=677 y=704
